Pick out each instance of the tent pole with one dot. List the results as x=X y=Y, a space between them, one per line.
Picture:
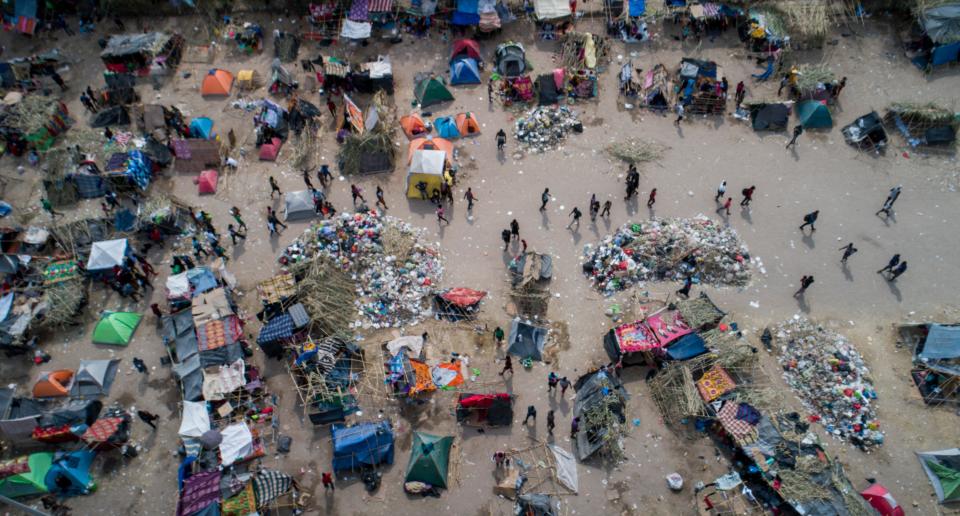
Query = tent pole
x=25 y=508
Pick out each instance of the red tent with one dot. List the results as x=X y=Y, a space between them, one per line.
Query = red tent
x=881 y=500
x=269 y=151
x=466 y=47
x=207 y=183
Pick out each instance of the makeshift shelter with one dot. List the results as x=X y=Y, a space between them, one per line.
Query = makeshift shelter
x=491 y=409
x=298 y=205
x=248 y=80
x=207 y=182
x=532 y=504
x=94 y=378
x=430 y=90
x=413 y=126
x=427 y=167
x=458 y=303
x=547 y=91
x=866 y=131
x=814 y=114
x=201 y=127
x=939 y=40
x=285 y=46
x=446 y=128
x=217 y=82
x=879 y=498
x=27 y=475
x=107 y=254
x=698 y=83
x=769 y=117
x=153 y=53
x=464 y=70
x=429 y=459
x=510 y=60
x=936 y=358
x=526 y=340
x=111 y=117
x=657 y=88
x=53 y=384
x=370 y=153
x=466 y=48
x=362 y=445
x=195 y=155
x=374 y=76
x=269 y=151
x=943 y=469
x=924 y=124
x=467 y=124
x=551 y=9
x=600 y=405
x=116 y=328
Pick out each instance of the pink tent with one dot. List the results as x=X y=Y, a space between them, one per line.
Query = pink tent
x=269 y=151
x=207 y=182
x=558 y=78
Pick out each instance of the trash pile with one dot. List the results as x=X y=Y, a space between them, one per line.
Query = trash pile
x=543 y=128
x=393 y=269
x=667 y=249
x=832 y=380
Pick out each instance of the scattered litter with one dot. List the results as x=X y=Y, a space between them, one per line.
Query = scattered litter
x=675 y=481
x=543 y=128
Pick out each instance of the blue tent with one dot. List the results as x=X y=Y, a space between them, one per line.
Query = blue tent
x=365 y=444
x=464 y=70
x=75 y=468
x=201 y=128
x=687 y=347
x=446 y=128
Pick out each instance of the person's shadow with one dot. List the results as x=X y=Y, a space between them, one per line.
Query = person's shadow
x=746 y=214
x=793 y=153
x=892 y=285
x=545 y=220
x=846 y=272
x=631 y=206
x=679 y=130
x=889 y=218
x=722 y=212
x=502 y=157
x=808 y=240
x=802 y=303
x=651 y=212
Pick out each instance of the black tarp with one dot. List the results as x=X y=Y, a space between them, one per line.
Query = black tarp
x=526 y=340
x=114 y=115
x=770 y=117
x=866 y=130
x=158 y=152
x=940 y=135
x=547 y=90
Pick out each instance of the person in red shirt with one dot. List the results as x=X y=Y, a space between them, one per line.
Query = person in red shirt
x=327 y=479
x=652 y=199
x=726 y=205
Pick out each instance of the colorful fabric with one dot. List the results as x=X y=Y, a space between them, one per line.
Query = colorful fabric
x=359 y=10
x=635 y=336
x=218 y=333
x=423 y=379
x=241 y=504
x=335 y=68
x=380 y=6
x=735 y=427
x=276 y=288
x=59 y=271
x=270 y=484
x=13 y=467
x=667 y=329
x=199 y=491
x=745 y=412
x=278 y=328
x=53 y=434
x=102 y=429
x=715 y=383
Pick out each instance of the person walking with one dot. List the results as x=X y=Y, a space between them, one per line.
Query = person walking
x=234 y=234
x=523 y=246
x=797 y=131
x=356 y=193
x=498 y=335
x=726 y=206
x=848 y=251
x=652 y=199
x=747 y=195
x=490 y=92
x=273 y=221
x=576 y=217
x=507 y=366
x=198 y=249
x=897 y=271
x=721 y=190
x=531 y=413
x=47 y=207
x=741 y=93
x=564 y=384
x=888 y=203
x=470 y=198
x=59 y=80
x=551 y=424
x=440 y=213
x=274 y=187
x=140 y=366
x=501 y=140
x=306 y=180
x=809 y=220
x=894 y=261
x=574 y=427
x=107 y=133
x=679 y=115
x=327 y=478
x=148 y=418
x=87 y=103
x=235 y=213
x=544 y=199
x=840 y=86
x=324 y=175
x=594 y=207
x=685 y=289
x=514 y=229
x=505 y=236
x=332 y=107
x=606 y=208
x=380 y=200
x=157 y=312
x=552 y=380
x=805 y=283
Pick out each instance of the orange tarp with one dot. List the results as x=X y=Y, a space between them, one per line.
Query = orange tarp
x=424 y=379
x=52 y=384
x=431 y=143
x=217 y=82
x=456 y=382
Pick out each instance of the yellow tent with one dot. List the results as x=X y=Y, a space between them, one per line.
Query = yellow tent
x=426 y=166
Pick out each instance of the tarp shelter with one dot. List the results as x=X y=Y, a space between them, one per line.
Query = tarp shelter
x=298 y=205
x=446 y=127
x=52 y=384
x=430 y=90
x=769 y=117
x=201 y=127
x=116 y=328
x=217 y=82
x=551 y=9
x=458 y=303
x=492 y=409
x=270 y=151
x=595 y=390
x=466 y=48
x=511 y=60
x=69 y=474
x=111 y=116
x=464 y=70
x=207 y=182
x=195 y=420
x=94 y=378
x=194 y=155
x=536 y=504
x=106 y=254
x=879 y=498
x=425 y=166
x=866 y=130
x=467 y=124
x=237 y=443
x=942 y=343
x=943 y=469
x=686 y=347
x=413 y=126
x=361 y=445
x=429 y=459
x=526 y=340
x=547 y=90
x=28 y=479
x=814 y=115
x=942 y=22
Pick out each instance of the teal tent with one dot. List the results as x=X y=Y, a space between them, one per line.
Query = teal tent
x=429 y=459
x=430 y=90
x=814 y=115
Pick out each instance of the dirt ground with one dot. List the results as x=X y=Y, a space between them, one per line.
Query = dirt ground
x=822 y=172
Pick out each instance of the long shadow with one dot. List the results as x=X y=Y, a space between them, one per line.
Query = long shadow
x=846 y=272
x=631 y=206
x=651 y=212
x=802 y=303
x=606 y=224
x=808 y=240
x=889 y=218
x=793 y=153
x=892 y=285
x=746 y=214
x=545 y=220
x=722 y=212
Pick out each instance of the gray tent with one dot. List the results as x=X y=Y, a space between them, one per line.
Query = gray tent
x=536 y=504
x=94 y=378
x=191 y=378
x=511 y=60
x=299 y=205
x=942 y=23
x=526 y=340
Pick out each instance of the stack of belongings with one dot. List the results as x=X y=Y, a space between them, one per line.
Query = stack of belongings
x=545 y=128
x=270 y=123
x=374 y=76
x=700 y=87
x=408 y=374
x=489 y=17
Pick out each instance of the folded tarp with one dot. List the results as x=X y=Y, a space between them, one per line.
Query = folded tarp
x=355 y=30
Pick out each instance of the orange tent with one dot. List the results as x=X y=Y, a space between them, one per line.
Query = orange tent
x=413 y=126
x=52 y=384
x=217 y=82
x=468 y=125
x=431 y=143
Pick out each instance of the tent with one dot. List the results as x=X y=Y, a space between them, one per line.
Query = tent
x=943 y=468
x=217 y=82
x=880 y=499
x=429 y=458
x=430 y=90
x=941 y=343
x=465 y=47
x=467 y=124
x=207 y=182
x=464 y=70
x=30 y=479
x=69 y=475
x=106 y=254
x=425 y=166
x=116 y=328
x=547 y=89
x=430 y=143
x=298 y=205
x=511 y=60
x=492 y=409
x=111 y=116
x=94 y=378
x=364 y=444
x=551 y=9
x=814 y=115
x=270 y=151
x=413 y=126
x=867 y=130
x=446 y=127
x=526 y=340
x=53 y=384
x=201 y=127
x=769 y=117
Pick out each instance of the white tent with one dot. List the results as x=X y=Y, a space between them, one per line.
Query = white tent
x=237 y=443
x=551 y=9
x=196 y=420
x=298 y=205
x=427 y=162
x=94 y=378
x=178 y=286
x=106 y=254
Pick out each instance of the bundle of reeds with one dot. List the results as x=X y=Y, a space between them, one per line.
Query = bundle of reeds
x=923 y=114
x=31 y=114
x=810 y=76
x=635 y=150
x=327 y=293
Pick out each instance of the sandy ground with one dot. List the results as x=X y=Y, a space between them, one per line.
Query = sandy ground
x=821 y=173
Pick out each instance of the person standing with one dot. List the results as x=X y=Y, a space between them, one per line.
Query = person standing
x=332 y=108
x=505 y=236
x=797 y=131
x=894 y=261
x=576 y=217
x=107 y=133
x=306 y=180
x=235 y=212
x=234 y=234
x=897 y=271
x=507 y=366
x=501 y=140
x=440 y=215
x=274 y=187
x=594 y=208
x=155 y=308
x=564 y=384
x=490 y=92
x=721 y=190
x=498 y=335
x=356 y=193
x=805 y=283
x=726 y=206
x=891 y=198
x=140 y=366
x=652 y=199
x=606 y=208
x=327 y=478
x=514 y=229
x=148 y=418
x=685 y=289
x=380 y=200
x=550 y=422
x=809 y=220
x=848 y=251
x=574 y=427
x=747 y=195
x=679 y=115
x=741 y=93
x=552 y=380
x=531 y=413
x=198 y=249
x=470 y=198
x=544 y=199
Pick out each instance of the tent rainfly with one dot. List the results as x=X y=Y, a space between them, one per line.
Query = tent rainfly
x=217 y=82
x=429 y=459
x=104 y=255
x=298 y=205
x=943 y=468
x=207 y=182
x=464 y=70
x=116 y=328
x=430 y=91
x=526 y=340
x=814 y=115
x=29 y=480
x=94 y=378
x=365 y=444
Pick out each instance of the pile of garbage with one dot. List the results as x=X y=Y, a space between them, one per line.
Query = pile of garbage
x=393 y=269
x=667 y=249
x=543 y=128
x=831 y=379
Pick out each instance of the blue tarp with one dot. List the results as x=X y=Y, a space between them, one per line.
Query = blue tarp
x=139 y=168
x=26 y=8
x=687 y=347
x=943 y=342
x=89 y=186
x=945 y=54
x=464 y=70
x=75 y=466
x=365 y=444
x=465 y=19
x=201 y=280
x=124 y=220
x=638 y=7
x=201 y=127
x=446 y=127
x=278 y=328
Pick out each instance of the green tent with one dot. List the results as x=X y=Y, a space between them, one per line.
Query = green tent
x=429 y=459
x=431 y=91
x=814 y=115
x=30 y=482
x=943 y=469
x=116 y=328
